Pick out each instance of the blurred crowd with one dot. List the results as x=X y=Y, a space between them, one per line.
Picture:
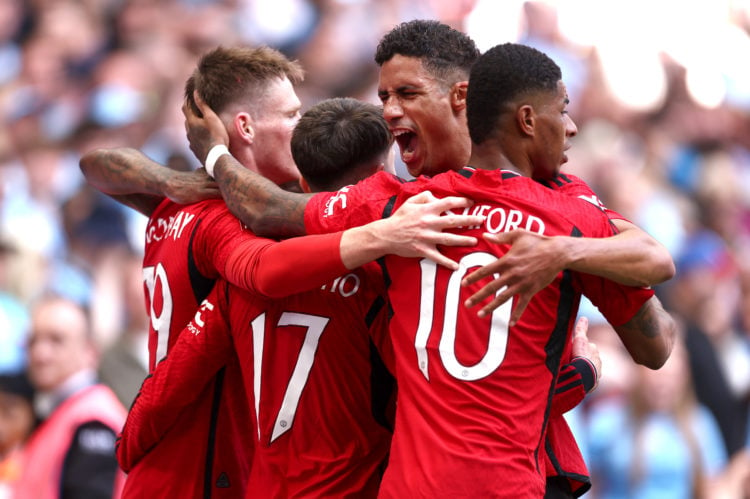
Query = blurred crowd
x=664 y=138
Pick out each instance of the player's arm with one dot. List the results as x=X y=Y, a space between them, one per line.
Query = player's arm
x=581 y=375
x=534 y=260
x=631 y=257
x=200 y=351
x=133 y=179
x=649 y=335
x=414 y=230
x=262 y=205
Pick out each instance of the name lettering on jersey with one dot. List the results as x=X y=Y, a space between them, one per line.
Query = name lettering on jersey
x=206 y=306
x=346 y=285
x=339 y=197
x=593 y=199
x=497 y=219
x=172 y=227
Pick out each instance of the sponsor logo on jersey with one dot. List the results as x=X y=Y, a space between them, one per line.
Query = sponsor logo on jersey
x=338 y=198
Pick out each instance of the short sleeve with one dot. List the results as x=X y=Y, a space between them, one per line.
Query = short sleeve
x=351 y=206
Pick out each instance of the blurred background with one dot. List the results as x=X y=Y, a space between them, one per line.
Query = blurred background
x=660 y=91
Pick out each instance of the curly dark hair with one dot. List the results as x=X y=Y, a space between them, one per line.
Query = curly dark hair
x=226 y=75
x=500 y=75
x=335 y=137
x=446 y=53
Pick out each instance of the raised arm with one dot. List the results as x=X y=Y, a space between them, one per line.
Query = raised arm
x=262 y=205
x=130 y=177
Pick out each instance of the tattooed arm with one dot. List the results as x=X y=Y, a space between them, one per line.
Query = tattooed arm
x=649 y=336
x=130 y=177
x=262 y=205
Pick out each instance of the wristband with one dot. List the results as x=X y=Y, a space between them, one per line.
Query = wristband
x=589 y=374
x=213 y=155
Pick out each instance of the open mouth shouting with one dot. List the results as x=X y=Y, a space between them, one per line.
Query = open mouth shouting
x=407 y=143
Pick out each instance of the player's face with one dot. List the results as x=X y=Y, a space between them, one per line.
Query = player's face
x=273 y=128
x=554 y=128
x=58 y=347
x=430 y=131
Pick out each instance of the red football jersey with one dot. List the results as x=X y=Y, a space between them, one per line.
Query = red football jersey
x=186 y=250
x=318 y=387
x=474 y=395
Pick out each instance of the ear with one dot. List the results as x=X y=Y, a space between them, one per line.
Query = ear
x=526 y=119
x=243 y=125
x=458 y=95
x=304 y=185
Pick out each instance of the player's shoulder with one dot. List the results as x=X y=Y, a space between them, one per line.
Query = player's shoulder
x=567 y=183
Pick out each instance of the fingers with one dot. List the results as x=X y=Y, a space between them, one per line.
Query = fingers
x=453 y=221
x=437 y=257
x=480 y=274
x=448 y=239
x=487 y=290
x=582 y=347
x=496 y=288
x=422 y=198
x=518 y=308
x=502 y=237
x=452 y=202
x=581 y=328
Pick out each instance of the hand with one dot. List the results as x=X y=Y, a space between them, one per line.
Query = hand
x=416 y=228
x=582 y=347
x=191 y=187
x=205 y=131
x=532 y=262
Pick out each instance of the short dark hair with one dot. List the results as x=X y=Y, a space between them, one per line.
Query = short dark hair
x=499 y=76
x=226 y=75
x=446 y=53
x=336 y=136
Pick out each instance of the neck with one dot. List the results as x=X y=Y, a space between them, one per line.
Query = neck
x=492 y=157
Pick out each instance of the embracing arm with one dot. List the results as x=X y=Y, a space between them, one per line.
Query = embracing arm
x=631 y=258
x=414 y=230
x=133 y=179
x=262 y=205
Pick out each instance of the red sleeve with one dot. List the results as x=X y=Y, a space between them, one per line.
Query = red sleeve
x=216 y=238
x=616 y=302
x=201 y=350
x=351 y=206
x=278 y=269
x=571 y=185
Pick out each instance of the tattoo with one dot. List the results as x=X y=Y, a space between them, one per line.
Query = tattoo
x=649 y=335
x=646 y=321
x=126 y=175
x=260 y=204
